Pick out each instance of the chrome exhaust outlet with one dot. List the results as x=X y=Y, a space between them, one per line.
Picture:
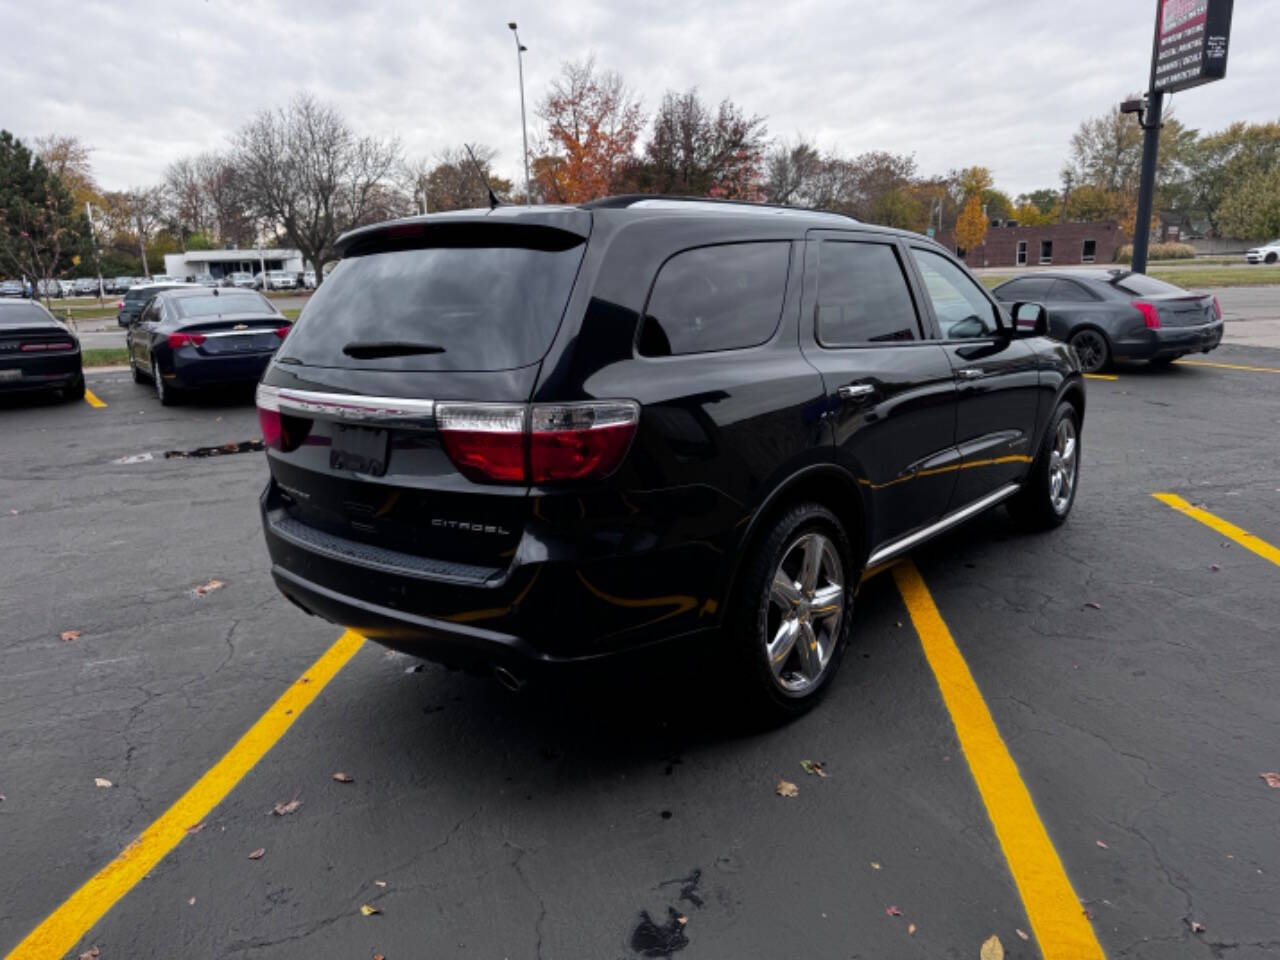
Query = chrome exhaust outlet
x=508 y=679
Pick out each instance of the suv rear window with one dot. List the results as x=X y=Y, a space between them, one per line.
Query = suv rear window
x=485 y=307
x=716 y=298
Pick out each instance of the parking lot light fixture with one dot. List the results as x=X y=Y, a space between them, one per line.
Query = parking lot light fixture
x=524 y=126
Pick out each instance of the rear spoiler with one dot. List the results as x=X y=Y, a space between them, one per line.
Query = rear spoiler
x=539 y=228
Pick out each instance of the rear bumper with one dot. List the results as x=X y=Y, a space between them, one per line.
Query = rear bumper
x=43 y=373
x=537 y=611
x=212 y=371
x=1168 y=342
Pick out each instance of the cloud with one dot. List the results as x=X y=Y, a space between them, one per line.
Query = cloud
x=956 y=82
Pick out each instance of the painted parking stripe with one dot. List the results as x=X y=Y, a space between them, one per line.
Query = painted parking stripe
x=1226 y=366
x=1052 y=906
x=1100 y=376
x=1229 y=530
x=63 y=929
x=92 y=400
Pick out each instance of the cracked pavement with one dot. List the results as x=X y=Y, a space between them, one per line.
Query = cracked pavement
x=588 y=818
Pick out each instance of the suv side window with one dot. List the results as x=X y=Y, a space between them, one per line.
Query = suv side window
x=863 y=295
x=716 y=298
x=963 y=311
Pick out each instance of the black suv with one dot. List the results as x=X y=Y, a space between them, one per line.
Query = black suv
x=503 y=439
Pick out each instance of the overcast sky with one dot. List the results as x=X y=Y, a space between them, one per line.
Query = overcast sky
x=1001 y=83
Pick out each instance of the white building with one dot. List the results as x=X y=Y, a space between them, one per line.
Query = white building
x=219 y=263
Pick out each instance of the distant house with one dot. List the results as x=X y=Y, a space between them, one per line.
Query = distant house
x=219 y=263
x=1059 y=244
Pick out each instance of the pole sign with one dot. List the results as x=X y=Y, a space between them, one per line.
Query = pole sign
x=1191 y=43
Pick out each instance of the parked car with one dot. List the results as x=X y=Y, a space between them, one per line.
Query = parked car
x=513 y=441
x=49 y=288
x=13 y=288
x=164 y=278
x=87 y=287
x=206 y=280
x=1111 y=315
x=1267 y=253
x=121 y=284
x=275 y=280
x=309 y=279
x=238 y=279
x=38 y=351
x=191 y=338
x=137 y=297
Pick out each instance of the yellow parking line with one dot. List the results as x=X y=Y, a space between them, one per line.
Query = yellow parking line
x=91 y=398
x=1101 y=376
x=1052 y=905
x=1225 y=366
x=64 y=928
x=1230 y=530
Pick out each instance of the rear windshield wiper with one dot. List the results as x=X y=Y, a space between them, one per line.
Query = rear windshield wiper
x=376 y=350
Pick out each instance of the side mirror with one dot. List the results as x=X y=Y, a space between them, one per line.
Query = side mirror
x=1029 y=319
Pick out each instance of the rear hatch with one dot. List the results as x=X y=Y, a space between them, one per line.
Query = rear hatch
x=229 y=324
x=29 y=339
x=416 y=314
x=1174 y=306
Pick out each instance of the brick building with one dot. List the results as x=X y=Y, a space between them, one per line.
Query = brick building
x=1059 y=244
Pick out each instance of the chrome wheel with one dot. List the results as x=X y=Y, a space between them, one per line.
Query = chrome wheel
x=806 y=606
x=1063 y=466
x=1091 y=350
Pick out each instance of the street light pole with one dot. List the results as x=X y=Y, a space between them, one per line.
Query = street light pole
x=524 y=127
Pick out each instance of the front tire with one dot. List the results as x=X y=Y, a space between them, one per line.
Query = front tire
x=164 y=392
x=1049 y=492
x=1091 y=349
x=1272 y=257
x=792 y=613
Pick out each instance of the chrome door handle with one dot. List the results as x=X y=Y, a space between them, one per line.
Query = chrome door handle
x=969 y=373
x=855 y=391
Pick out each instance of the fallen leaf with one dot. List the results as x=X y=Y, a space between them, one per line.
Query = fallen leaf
x=367 y=910
x=682 y=920
x=786 y=788
x=102 y=782
x=378 y=956
x=258 y=854
x=191 y=902
x=811 y=767
x=66 y=636
x=1093 y=606
x=91 y=954
x=1102 y=845
x=209 y=587
x=1273 y=779
x=196 y=829
x=284 y=809
x=344 y=777
x=1021 y=933
x=1214 y=567
x=911 y=929
x=992 y=949
x=875 y=865
x=892 y=911
x=1088 y=913
x=1197 y=927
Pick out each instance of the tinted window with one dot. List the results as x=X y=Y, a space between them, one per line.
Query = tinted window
x=1144 y=286
x=23 y=315
x=486 y=307
x=223 y=303
x=1068 y=291
x=863 y=295
x=716 y=298
x=1035 y=289
x=962 y=310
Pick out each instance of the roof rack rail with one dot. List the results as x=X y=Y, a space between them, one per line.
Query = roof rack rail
x=673 y=202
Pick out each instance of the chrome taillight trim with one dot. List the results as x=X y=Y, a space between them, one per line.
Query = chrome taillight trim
x=380 y=411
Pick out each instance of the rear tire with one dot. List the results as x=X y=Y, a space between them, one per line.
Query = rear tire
x=75 y=391
x=1091 y=349
x=792 y=614
x=1272 y=257
x=138 y=375
x=164 y=392
x=1049 y=492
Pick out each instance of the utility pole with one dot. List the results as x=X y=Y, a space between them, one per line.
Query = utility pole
x=97 y=254
x=524 y=126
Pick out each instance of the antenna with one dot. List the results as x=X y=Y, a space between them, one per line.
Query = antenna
x=494 y=202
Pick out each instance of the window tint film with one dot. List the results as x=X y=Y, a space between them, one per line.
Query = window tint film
x=1027 y=289
x=962 y=310
x=863 y=295
x=1144 y=286
x=223 y=303
x=438 y=308
x=716 y=298
x=1068 y=291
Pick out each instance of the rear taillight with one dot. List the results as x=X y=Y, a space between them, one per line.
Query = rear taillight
x=282 y=332
x=42 y=347
x=177 y=340
x=1217 y=309
x=1150 y=315
x=545 y=443
x=282 y=432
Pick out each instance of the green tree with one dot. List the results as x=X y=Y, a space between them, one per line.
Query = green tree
x=1030 y=215
x=40 y=232
x=997 y=204
x=1045 y=199
x=1090 y=203
x=1223 y=160
x=1251 y=207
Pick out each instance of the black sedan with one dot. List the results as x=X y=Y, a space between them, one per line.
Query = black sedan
x=38 y=351
x=195 y=337
x=1111 y=315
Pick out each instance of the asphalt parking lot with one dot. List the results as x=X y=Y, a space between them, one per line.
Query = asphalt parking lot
x=1128 y=662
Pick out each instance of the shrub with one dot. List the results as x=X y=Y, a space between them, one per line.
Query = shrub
x=1158 y=251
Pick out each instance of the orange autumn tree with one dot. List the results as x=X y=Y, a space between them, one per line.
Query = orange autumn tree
x=593 y=121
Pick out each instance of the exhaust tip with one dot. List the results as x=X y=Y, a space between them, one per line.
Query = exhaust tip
x=508 y=679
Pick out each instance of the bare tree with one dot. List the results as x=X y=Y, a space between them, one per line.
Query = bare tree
x=452 y=181
x=304 y=169
x=146 y=213
x=186 y=206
